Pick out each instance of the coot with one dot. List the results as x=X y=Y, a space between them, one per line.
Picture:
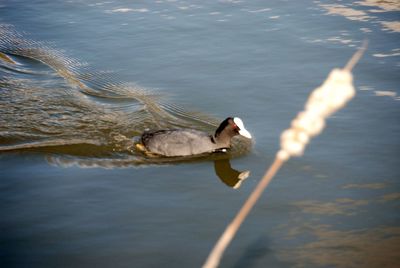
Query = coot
x=186 y=142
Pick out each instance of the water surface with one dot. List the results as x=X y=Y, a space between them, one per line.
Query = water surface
x=84 y=78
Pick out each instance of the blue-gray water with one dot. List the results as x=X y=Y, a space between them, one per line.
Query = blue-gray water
x=74 y=194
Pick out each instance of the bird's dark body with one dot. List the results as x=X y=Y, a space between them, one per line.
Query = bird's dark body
x=187 y=142
x=178 y=142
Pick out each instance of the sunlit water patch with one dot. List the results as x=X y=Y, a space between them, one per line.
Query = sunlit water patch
x=368 y=10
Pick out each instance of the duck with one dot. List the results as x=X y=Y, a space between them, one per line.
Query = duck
x=190 y=142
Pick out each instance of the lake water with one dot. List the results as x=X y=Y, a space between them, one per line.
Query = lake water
x=80 y=80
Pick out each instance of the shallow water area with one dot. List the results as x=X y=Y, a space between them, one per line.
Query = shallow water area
x=80 y=80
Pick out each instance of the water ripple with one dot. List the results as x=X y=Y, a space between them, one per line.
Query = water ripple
x=57 y=105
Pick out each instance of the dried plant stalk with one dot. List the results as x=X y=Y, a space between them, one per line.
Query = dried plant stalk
x=230 y=231
x=332 y=95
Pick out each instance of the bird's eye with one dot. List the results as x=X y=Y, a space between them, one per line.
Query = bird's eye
x=235 y=128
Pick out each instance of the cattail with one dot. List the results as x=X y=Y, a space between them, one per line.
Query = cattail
x=332 y=95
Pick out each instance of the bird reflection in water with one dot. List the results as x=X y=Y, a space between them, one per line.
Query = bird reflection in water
x=228 y=175
x=222 y=167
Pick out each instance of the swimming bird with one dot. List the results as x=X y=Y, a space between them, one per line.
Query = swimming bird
x=188 y=142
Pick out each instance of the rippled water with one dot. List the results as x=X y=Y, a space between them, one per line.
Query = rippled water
x=80 y=80
x=65 y=108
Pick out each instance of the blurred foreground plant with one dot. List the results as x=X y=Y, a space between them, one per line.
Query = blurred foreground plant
x=332 y=95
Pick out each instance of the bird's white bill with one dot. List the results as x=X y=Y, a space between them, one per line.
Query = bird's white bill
x=245 y=133
x=242 y=130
